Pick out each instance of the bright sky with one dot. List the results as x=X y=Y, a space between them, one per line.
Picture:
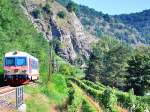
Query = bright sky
x=116 y=6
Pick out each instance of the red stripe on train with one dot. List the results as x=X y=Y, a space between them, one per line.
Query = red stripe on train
x=14 y=67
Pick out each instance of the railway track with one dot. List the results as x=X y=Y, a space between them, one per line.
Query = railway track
x=9 y=89
x=6 y=89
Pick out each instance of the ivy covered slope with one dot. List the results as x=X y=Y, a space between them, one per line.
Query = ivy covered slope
x=17 y=33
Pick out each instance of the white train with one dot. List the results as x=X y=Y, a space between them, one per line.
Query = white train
x=20 y=68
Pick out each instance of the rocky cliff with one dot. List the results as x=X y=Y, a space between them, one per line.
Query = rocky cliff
x=70 y=39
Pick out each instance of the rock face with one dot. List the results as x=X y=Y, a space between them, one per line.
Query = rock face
x=72 y=40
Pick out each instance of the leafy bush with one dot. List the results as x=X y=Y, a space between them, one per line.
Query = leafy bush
x=61 y=14
x=47 y=9
x=109 y=98
x=86 y=107
x=36 y=13
x=67 y=70
x=139 y=71
x=75 y=100
x=93 y=85
x=92 y=92
x=126 y=99
x=139 y=108
x=56 y=89
x=71 y=7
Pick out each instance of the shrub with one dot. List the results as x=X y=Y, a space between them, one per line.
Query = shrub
x=141 y=107
x=47 y=9
x=71 y=7
x=126 y=99
x=93 y=85
x=67 y=69
x=92 y=92
x=86 y=107
x=131 y=98
x=56 y=89
x=75 y=100
x=36 y=13
x=61 y=14
x=109 y=99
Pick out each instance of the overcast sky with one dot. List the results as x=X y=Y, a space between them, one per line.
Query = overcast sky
x=116 y=6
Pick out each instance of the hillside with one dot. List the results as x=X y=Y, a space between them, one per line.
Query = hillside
x=101 y=25
x=116 y=78
x=132 y=28
x=140 y=21
x=70 y=40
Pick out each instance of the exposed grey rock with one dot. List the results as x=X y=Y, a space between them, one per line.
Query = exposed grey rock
x=74 y=41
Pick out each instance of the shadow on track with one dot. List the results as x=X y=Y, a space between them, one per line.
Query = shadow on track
x=2 y=80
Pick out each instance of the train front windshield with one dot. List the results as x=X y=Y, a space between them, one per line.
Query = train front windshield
x=15 y=61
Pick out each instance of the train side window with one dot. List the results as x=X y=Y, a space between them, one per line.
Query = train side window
x=34 y=65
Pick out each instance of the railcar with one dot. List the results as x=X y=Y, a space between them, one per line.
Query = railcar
x=20 y=68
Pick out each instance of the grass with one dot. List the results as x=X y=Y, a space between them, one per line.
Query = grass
x=37 y=103
x=35 y=100
x=56 y=90
x=40 y=98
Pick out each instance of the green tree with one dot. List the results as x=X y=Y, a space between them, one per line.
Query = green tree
x=71 y=7
x=61 y=14
x=139 y=71
x=109 y=61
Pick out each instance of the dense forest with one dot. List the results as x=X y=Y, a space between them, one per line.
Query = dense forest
x=119 y=65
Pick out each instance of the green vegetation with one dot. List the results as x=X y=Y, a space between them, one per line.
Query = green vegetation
x=54 y=93
x=86 y=107
x=108 y=62
x=109 y=98
x=61 y=14
x=140 y=21
x=119 y=65
x=75 y=100
x=36 y=13
x=78 y=100
x=56 y=90
x=138 y=69
x=71 y=7
x=67 y=70
x=47 y=8
x=33 y=94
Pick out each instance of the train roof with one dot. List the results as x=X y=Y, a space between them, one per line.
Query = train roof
x=19 y=53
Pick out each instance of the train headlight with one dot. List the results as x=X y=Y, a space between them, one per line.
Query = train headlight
x=7 y=71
